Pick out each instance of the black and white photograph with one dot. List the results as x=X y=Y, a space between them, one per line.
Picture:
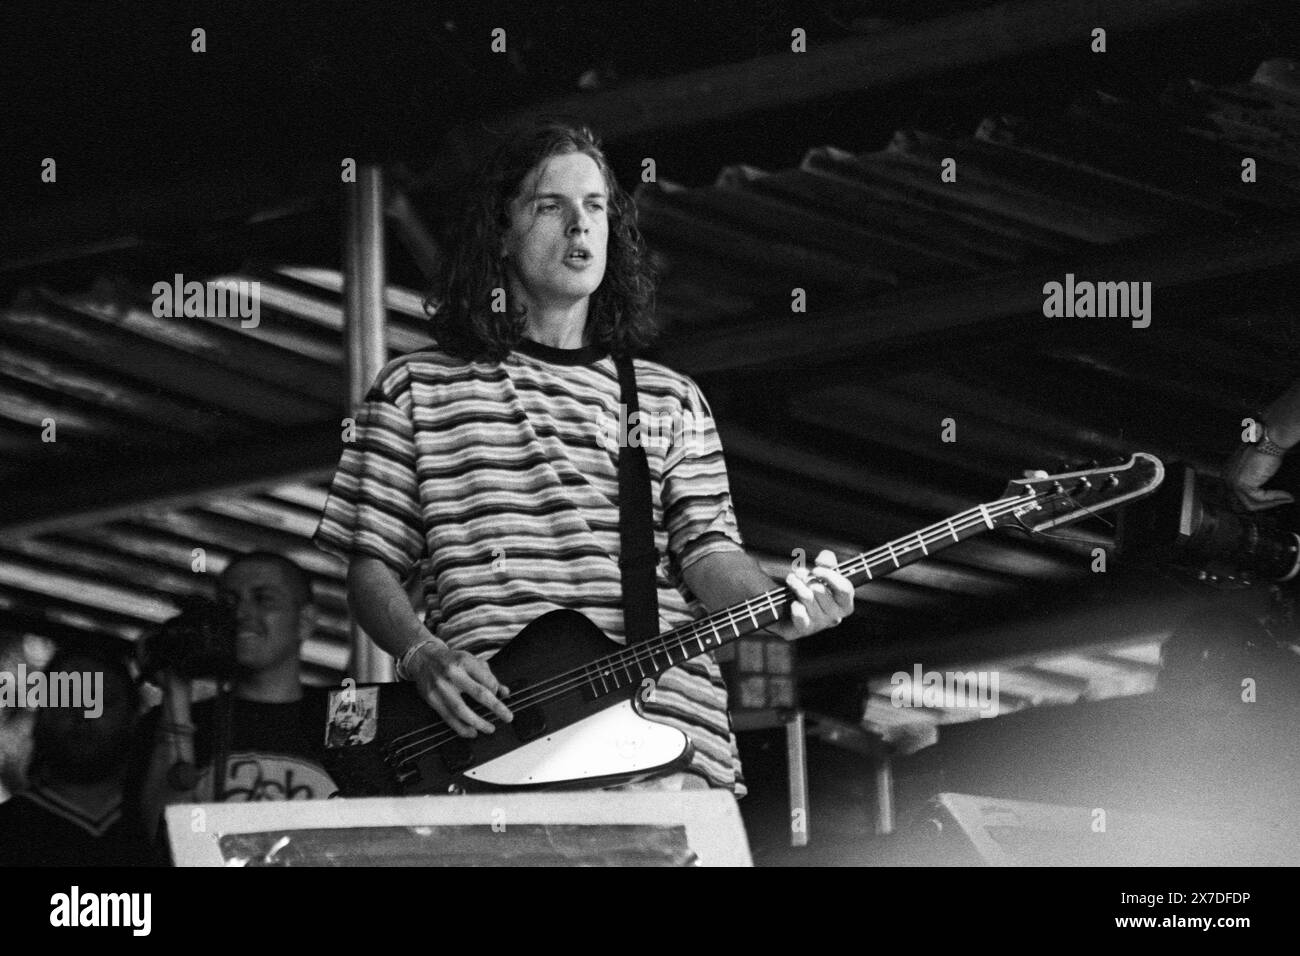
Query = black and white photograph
x=754 y=433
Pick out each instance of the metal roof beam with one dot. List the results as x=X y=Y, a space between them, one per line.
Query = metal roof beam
x=907 y=317
x=878 y=60
x=123 y=487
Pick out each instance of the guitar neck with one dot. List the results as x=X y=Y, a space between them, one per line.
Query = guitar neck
x=654 y=656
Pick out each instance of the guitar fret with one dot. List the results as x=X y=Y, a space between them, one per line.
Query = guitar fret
x=921 y=541
x=604 y=686
x=752 y=616
x=639 y=667
x=771 y=600
x=952 y=530
x=987 y=520
x=630 y=678
x=735 y=627
x=893 y=556
x=699 y=639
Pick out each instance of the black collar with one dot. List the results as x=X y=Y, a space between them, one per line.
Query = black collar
x=586 y=355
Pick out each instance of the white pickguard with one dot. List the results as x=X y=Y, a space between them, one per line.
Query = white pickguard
x=614 y=741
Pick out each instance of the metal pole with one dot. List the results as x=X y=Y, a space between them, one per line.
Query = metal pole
x=365 y=343
x=797 y=771
x=884 y=773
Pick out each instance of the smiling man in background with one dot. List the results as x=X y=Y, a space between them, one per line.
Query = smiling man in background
x=275 y=730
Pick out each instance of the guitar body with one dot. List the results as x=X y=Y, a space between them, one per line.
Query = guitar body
x=572 y=739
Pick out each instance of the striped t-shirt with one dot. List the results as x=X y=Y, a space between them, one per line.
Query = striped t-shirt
x=503 y=477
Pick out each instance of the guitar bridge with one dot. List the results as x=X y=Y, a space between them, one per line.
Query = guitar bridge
x=455 y=754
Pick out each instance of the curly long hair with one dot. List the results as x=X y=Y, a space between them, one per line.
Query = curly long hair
x=620 y=314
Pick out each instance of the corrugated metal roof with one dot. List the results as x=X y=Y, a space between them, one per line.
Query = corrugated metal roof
x=179 y=435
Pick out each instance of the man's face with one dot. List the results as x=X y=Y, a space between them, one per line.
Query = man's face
x=269 y=618
x=561 y=207
x=350 y=719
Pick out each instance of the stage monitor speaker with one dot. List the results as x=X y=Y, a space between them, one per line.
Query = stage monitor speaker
x=960 y=829
x=690 y=828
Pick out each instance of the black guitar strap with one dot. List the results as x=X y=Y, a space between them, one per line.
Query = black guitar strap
x=638 y=556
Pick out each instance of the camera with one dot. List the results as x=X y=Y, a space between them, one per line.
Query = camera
x=1189 y=525
x=198 y=642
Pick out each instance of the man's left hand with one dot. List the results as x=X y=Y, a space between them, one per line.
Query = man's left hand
x=824 y=597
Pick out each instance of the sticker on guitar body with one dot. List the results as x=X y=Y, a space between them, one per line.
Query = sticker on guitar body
x=353 y=716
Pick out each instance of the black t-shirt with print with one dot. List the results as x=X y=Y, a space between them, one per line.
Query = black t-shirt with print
x=275 y=749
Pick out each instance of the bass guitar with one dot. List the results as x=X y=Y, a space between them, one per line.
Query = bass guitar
x=578 y=703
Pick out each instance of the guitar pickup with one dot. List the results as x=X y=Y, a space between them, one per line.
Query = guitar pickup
x=529 y=724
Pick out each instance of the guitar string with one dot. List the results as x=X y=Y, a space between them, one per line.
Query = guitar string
x=942 y=529
x=642 y=652
x=696 y=629
x=563 y=683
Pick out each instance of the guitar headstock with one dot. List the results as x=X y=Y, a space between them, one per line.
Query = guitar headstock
x=1070 y=496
